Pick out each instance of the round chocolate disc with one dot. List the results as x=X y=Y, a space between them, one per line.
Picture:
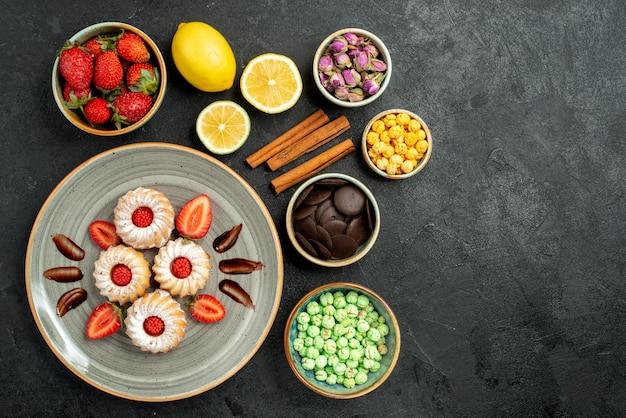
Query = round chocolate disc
x=322 y=207
x=324 y=237
x=303 y=211
x=322 y=251
x=335 y=227
x=331 y=182
x=302 y=196
x=306 y=244
x=349 y=200
x=306 y=227
x=356 y=229
x=330 y=214
x=344 y=246
x=317 y=195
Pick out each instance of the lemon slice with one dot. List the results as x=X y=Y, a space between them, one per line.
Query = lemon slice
x=271 y=83
x=223 y=127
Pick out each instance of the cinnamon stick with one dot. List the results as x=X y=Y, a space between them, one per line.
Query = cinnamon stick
x=315 y=139
x=312 y=166
x=293 y=135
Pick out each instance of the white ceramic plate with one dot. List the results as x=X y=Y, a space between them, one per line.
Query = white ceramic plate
x=210 y=353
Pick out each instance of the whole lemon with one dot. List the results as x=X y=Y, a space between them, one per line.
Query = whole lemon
x=203 y=57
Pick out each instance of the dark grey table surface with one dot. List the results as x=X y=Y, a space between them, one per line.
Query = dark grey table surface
x=504 y=260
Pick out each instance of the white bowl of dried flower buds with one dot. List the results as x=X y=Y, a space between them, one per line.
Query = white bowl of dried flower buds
x=352 y=67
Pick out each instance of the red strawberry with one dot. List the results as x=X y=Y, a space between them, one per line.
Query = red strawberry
x=104 y=234
x=154 y=326
x=130 y=107
x=104 y=320
x=108 y=72
x=206 y=308
x=143 y=77
x=181 y=267
x=121 y=274
x=76 y=66
x=75 y=98
x=194 y=219
x=131 y=47
x=93 y=46
x=98 y=111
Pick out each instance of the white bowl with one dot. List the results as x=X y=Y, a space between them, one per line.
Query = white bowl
x=421 y=163
x=384 y=56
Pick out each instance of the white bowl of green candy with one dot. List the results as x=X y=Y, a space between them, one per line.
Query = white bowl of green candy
x=342 y=340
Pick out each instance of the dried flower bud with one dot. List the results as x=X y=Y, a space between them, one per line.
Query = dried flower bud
x=351 y=38
x=342 y=93
x=377 y=77
x=351 y=77
x=324 y=81
x=362 y=61
x=336 y=80
x=326 y=64
x=371 y=50
x=339 y=45
x=343 y=60
x=377 y=65
x=370 y=86
x=354 y=51
x=356 y=95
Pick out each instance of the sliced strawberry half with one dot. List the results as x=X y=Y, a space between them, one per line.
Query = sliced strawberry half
x=104 y=320
x=104 y=234
x=194 y=219
x=206 y=308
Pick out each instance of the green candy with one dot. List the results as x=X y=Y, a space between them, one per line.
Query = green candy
x=314 y=331
x=362 y=301
x=321 y=375
x=321 y=362
x=298 y=344
x=326 y=299
x=360 y=378
x=308 y=363
x=303 y=318
x=330 y=346
x=352 y=297
x=313 y=308
x=328 y=321
x=331 y=379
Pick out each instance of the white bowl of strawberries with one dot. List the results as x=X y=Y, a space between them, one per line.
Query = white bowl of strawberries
x=109 y=79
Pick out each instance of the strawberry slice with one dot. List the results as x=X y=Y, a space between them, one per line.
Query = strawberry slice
x=206 y=308
x=104 y=234
x=104 y=320
x=194 y=219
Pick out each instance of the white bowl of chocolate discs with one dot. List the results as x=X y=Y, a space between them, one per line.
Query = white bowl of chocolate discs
x=333 y=220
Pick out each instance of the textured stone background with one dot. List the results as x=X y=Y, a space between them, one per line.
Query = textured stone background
x=504 y=260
